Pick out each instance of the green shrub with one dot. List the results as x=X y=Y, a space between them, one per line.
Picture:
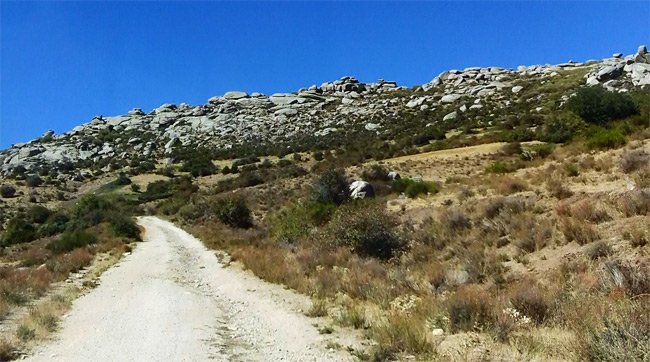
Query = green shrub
x=290 y=225
x=233 y=212
x=135 y=187
x=413 y=188
x=497 y=167
x=571 y=170
x=55 y=224
x=294 y=222
x=18 y=231
x=420 y=187
x=90 y=210
x=157 y=190
x=38 y=214
x=558 y=131
x=199 y=165
x=331 y=187
x=125 y=226
x=544 y=150
x=599 y=106
x=7 y=191
x=72 y=240
x=122 y=179
x=605 y=138
x=366 y=230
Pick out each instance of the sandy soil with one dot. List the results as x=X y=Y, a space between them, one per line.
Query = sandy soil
x=172 y=300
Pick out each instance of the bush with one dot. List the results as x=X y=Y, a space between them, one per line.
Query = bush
x=122 y=179
x=375 y=173
x=157 y=190
x=18 y=231
x=621 y=334
x=90 y=210
x=331 y=187
x=189 y=212
x=233 y=212
x=122 y=225
x=55 y=224
x=599 y=249
x=633 y=160
x=366 y=230
x=558 y=131
x=468 y=308
x=135 y=187
x=571 y=169
x=38 y=214
x=294 y=222
x=7 y=191
x=455 y=221
x=580 y=231
x=413 y=188
x=598 y=106
x=72 y=240
x=497 y=167
x=530 y=300
x=33 y=181
x=544 y=150
x=636 y=202
x=605 y=138
x=199 y=165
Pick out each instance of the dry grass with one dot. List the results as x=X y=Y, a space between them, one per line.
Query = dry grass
x=590 y=211
x=495 y=273
x=578 y=230
x=43 y=319
x=638 y=234
x=636 y=202
x=20 y=286
x=511 y=185
x=633 y=160
x=404 y=332
x=318 y=308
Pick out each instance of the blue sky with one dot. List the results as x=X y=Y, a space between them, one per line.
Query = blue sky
x=64 y=62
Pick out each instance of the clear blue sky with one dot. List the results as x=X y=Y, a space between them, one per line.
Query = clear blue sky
x=64 y=62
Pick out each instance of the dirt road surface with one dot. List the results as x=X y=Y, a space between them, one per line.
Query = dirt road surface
x=172 y=300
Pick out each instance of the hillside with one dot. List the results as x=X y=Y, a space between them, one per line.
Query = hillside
x=497 y=214
x=382 y=118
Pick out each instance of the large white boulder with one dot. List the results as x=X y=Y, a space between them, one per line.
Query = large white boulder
x=361 y=190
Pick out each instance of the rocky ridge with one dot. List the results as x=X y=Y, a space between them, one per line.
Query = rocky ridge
x=341 y=106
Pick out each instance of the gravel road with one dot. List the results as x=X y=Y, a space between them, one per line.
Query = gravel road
x=172 y=300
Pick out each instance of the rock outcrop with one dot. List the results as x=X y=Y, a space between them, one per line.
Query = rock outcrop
x=316 y=112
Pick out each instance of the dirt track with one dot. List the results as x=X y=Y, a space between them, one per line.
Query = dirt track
x=171 y=300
